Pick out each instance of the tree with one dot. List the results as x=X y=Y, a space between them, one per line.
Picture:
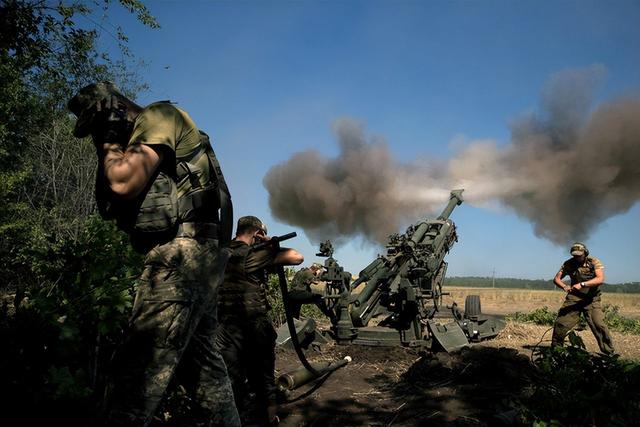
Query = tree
x=44 y=172
x=75 y=272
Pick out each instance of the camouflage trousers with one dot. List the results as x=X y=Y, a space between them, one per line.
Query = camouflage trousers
x=569 y=315
x=248 y=348
x=173 y=323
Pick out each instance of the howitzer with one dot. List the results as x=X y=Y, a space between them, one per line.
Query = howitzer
x=405 y=286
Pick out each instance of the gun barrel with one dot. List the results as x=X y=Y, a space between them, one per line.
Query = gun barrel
x=454 y=200
x=365 y=276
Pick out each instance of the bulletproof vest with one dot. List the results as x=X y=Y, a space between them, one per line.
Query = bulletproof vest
x=172 y=197
x=197 y=202
x=242 y=294
x=582 y=273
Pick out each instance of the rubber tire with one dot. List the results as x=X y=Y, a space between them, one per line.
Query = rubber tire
x=472 y=306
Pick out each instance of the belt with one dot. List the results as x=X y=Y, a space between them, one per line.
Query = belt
x=206 y=230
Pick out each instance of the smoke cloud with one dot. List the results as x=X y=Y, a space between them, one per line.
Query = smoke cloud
x=567 y=168
x=362 y=191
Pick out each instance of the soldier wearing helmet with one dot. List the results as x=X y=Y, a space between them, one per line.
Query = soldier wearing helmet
x=246 y=337
x=158 y=178
x=583 y=296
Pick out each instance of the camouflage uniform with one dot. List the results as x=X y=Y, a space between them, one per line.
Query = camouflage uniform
x=174 y=315
x=246 y=337
x=585 y=300
x=300 y=292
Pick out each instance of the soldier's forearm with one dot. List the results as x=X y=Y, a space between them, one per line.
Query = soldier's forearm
x=559 y=283
x=592 y=283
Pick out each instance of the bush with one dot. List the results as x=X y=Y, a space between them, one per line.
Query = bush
x=274 y=297
x=540 y=316
x=612 y=318
x=577 y=388
x=63 y=333
x=619 y=323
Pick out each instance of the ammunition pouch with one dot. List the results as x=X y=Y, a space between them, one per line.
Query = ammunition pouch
x=196 y=203
x=172 y=206
x=153 y=212
x=158 y=211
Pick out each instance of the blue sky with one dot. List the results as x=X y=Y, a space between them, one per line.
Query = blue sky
x=267 y=79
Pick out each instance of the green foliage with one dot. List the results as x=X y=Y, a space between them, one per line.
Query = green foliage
x=274 y=297
x=619 y=323
x=71 y=275
x=612 y=318
x=540 y=316
x=45 y=56
x=64 y=332
x=577 y=388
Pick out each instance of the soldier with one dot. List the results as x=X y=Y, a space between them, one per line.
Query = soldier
x=246 y=336
x=583 y=296
x=159 y=179
x=301 y=293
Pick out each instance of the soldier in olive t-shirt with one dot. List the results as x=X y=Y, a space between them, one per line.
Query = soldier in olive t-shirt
x=173 y=320
x=583 y=296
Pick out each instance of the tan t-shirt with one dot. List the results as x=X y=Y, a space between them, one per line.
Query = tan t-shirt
x=582 y=272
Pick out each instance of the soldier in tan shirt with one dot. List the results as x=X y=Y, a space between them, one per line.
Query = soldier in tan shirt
x=583 y=296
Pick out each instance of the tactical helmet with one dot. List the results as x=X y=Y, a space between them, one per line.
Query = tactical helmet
x=579 y=249
x=86 y=103
x=251 y=221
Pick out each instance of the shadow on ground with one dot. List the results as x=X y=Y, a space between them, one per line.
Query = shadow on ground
x=395 y=386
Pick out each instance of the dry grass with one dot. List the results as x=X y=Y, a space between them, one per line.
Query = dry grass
x=525 y=336
x=505 y=301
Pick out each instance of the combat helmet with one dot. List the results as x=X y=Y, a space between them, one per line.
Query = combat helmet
x=579 y=249
x=87 y=103
x=251 y=221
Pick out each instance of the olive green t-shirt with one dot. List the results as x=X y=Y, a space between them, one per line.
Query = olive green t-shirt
x=164 y=124
x=303 y=280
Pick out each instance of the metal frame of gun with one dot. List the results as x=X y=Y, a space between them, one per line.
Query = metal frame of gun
x=405 y=286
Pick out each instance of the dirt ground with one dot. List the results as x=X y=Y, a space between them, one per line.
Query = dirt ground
x=400 y=387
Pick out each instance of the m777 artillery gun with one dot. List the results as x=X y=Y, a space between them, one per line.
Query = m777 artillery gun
x=405 y=288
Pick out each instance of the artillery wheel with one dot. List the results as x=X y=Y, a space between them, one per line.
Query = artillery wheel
x=437 y=297
x=472 y=306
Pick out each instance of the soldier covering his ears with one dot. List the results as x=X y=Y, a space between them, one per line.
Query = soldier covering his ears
x=246 y=336
x=159 y=179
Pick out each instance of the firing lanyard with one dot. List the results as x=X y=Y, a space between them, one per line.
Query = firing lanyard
x=282 y=280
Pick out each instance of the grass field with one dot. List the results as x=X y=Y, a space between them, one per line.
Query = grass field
x=505 y=301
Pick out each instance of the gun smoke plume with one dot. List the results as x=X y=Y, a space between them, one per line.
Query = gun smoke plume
x=566 y=169
x=359 y=192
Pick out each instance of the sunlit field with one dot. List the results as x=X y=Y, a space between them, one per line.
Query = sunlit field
x=505 y=301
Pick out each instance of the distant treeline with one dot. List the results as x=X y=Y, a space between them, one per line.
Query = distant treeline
x=540 y=284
